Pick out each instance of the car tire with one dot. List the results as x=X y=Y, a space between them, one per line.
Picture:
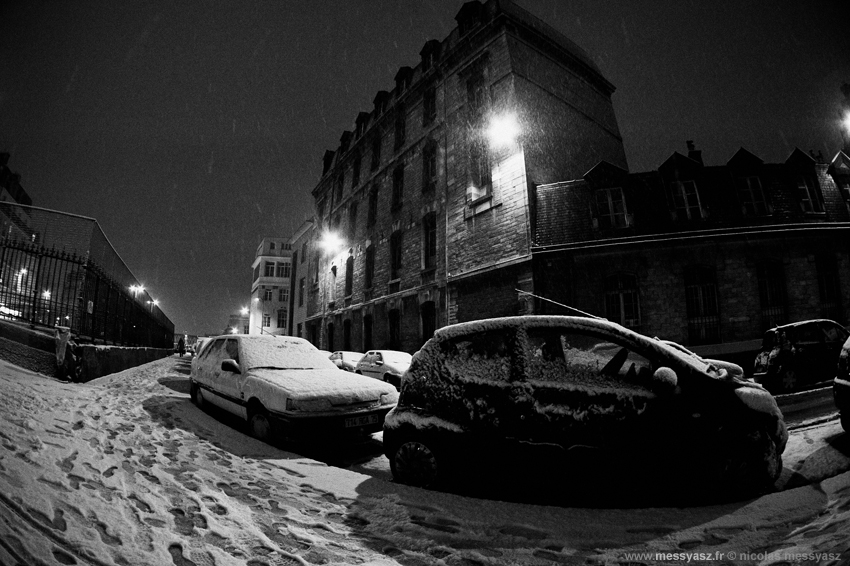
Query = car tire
x=197 y=396
x=416 y=463
x=751 y=464
x=393 y=380
x=259 y=424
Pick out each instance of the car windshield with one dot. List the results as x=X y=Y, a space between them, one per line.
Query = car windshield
x=283 y=353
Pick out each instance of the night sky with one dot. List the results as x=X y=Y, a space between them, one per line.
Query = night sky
x=190 y=130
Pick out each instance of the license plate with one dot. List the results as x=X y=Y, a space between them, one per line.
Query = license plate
x=361 y=421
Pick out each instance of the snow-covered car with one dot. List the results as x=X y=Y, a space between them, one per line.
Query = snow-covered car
x=841 y=385
x=566 y=387
x=799 y=354
x=285 y=388
x=346 y=360
x=386 y=365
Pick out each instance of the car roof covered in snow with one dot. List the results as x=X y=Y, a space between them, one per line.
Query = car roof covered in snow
x=267 y=350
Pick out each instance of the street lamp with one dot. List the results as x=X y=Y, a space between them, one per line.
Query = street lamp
x=503 y=130
x=153 y=304
x=331 y=242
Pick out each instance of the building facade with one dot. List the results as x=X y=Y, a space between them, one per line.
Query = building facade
x=707 y=256
x=423 y=212
x=300 y=242
x=271 y=287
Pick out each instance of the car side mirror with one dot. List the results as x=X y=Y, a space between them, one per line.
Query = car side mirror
x=379 y=363
x=231 y=366
x=664 y=380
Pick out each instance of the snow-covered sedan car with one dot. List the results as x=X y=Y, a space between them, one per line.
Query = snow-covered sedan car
x=285 y=388
x=571 y=387
x=386 y=365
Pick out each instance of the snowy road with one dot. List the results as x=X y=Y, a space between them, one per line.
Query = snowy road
x=125 y=470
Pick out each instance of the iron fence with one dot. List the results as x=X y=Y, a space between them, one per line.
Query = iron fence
x=59 y=269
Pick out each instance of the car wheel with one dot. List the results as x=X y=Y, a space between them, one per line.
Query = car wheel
x=259 y=424
x=788 y=381
x=393 y=380
x=415 y=463
x=751 y=464
x=197 y=396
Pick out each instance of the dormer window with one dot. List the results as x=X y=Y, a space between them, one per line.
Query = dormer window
x=611 y=209
x=402 y=79
x=344 y=141
x=429 y=54
x=808 y=194
x=360 y=124
x=468 y=17
x=685 y=199
x=400 y=126
x=751 y=196
x=380 y=102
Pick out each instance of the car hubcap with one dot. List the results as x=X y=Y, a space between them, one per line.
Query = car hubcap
x=416 y=464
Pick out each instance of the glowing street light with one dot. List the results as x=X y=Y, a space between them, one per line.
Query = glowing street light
x=503 y=130
x=234 y=330
x=153 y=304
x=45 y=295
x=331 y=242
x=845 y=122
x=244 y=311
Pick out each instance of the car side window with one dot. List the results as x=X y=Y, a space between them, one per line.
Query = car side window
x=809 y=334
x=208 y=349
x=834 y=334
x=484 y=356
x=578 y=358
x=232 y=349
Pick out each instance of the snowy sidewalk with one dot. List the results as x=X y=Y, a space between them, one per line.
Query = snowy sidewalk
x=125 y=470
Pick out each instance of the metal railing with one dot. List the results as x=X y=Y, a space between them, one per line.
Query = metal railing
x=58 y=269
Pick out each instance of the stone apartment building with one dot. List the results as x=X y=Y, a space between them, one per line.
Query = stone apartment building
x=268 y=312
x=424 y=209
x=300 y=243
x=707 y=256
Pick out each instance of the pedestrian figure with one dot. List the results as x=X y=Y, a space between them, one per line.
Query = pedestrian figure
x=181 y=347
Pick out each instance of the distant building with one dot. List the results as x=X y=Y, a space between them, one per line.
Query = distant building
x=10 y=184
x=271 y=287
x=429 y=195
x=708 y=256
x=238 y=323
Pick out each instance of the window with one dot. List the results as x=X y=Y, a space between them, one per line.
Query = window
x=299 y=330
x=394 y=320
x=476 y=95
x=480 y=172
x=395 y=255
x=428 y=313
x=429 y=166
x=686 y=204
x=771 y=281
x=331 y=337
x=271 y=245
x=355 y=172
x=283 y=295
x=283 y=270
x=352 y=220
x=808 y=194
x=340 y=182
x=349 y=275
x=370 y=267
x=429 y=106
x=400 y=127
x=267 y=320
x=376 y=152
x=332 y=285
x=751 y=196
x=301 y=284
x=622 y=303
x=611 y=208
x=257 y=272
x=701 y=306
x=829 y=286
x=269 y=269
x=483 y=354
x=429 y=240
x=267 y=293
x=398 y=187
x=346 y=334
x=281 y=318
x=372 y=213
x=303 y=251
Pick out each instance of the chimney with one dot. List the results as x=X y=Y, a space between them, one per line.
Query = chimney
x=693 y=153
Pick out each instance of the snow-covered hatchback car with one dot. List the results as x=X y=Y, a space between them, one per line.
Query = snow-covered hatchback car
x=285 y=388
x=386 y=365
x=841 y=386
x=494 y=389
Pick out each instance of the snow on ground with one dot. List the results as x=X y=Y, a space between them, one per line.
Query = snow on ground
x=125 y=470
